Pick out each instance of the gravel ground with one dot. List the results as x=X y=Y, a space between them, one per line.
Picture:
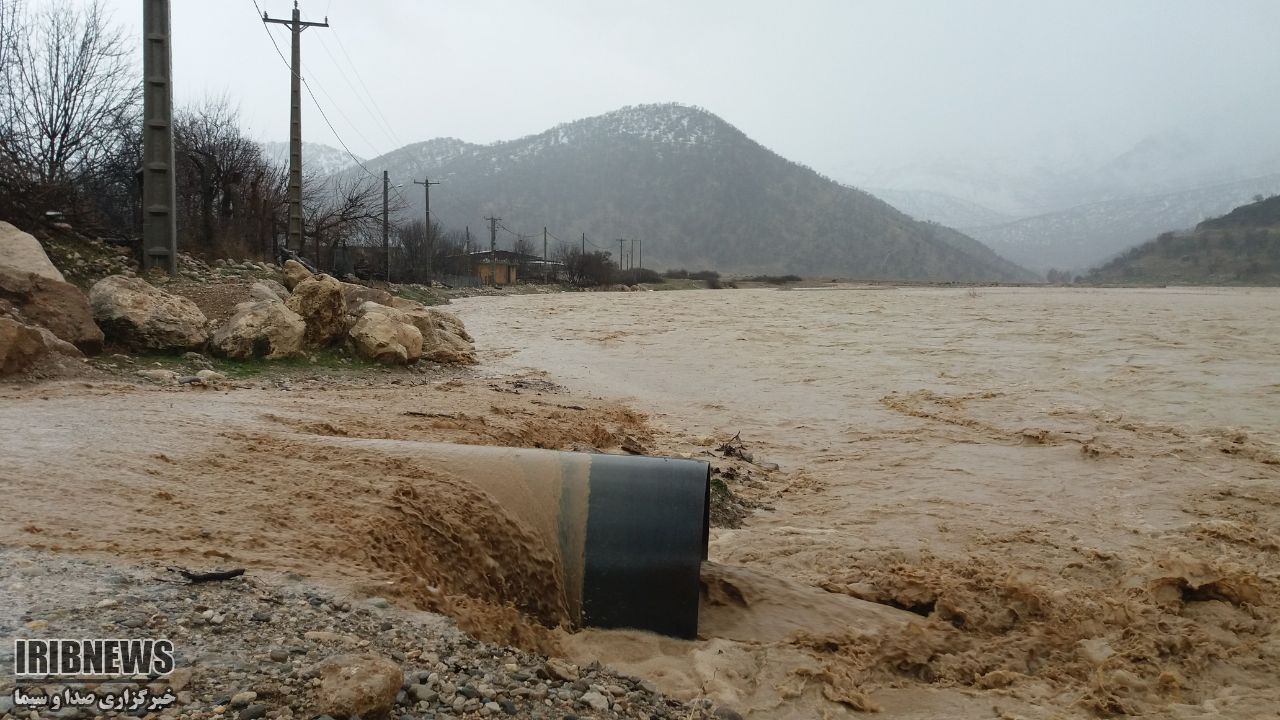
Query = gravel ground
x=248 y=648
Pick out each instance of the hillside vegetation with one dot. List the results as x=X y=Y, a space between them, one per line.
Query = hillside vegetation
x=695 y=190
x=1239 y=248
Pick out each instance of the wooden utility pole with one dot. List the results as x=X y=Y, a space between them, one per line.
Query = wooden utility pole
x=641 y=244
x=159 y=219
x=296 y=26
x=621 y=244
x=426 y=214
x=544 y=254
x=386 y=229
x=493 y=248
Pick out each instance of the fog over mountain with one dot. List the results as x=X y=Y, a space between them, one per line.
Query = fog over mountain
x=1075 y=216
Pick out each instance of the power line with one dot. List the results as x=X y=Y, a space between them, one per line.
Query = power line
x=355 y=92
x=320 y=109
x=355 y=71
x=307 y=85
x=338 y=106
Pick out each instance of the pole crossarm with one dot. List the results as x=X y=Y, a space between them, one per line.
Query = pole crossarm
x=296 y=25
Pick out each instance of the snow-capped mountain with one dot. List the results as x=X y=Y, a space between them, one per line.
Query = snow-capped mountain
x=1076 y=215
x=317 y=158
x=695 y=189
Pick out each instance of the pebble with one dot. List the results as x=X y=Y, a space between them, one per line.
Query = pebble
x=561 y=670
x=107 y=603
x=595 y=700
x=446 y=674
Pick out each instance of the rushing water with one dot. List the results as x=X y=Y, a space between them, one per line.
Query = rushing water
x=945 y=435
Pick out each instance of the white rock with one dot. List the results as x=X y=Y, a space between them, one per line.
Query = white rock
x=135 y=313
x=595 y=700
x=22 y=253
x=265 y=328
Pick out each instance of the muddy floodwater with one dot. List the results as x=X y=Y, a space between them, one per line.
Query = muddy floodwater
x=1073 y=494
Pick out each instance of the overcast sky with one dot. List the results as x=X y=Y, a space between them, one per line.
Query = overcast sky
x=836 y=84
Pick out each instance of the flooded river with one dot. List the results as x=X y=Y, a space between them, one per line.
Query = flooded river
x=1076 y=490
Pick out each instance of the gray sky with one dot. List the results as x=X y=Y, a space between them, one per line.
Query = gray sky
x=837 y=85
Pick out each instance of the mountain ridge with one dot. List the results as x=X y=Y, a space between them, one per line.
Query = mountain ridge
x=697 y=191
x=1241 y=247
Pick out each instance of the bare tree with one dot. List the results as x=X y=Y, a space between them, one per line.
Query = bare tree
x=11 y=16
x=420 y=248
x=343 y=212
x=70 y=81
x=593 y=268
x=229 y=194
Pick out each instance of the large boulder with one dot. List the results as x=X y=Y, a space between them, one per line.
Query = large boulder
x=24 y=346
x=141 y=316
x=362 y=685
x=294 y=273
x=274 y=287
x=385 y=335
x=452 y=323
x=22 y=253
x=357 y=295
x=59 y=306
x=444 y=339
x=262 y=328
x=319 y=300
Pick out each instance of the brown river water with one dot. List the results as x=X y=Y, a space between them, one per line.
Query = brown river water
x=1008 y=502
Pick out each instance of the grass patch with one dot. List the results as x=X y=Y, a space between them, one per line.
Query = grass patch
x=773 y=279
x=420 y=293
x=327 y=359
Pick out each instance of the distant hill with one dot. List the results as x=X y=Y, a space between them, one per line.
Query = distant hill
x=1239 y=248
x=941 y=208
x=696 y=190
x=1080 y=237
x=317 y=158
x=1081 y=203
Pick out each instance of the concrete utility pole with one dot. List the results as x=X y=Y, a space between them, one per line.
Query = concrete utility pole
x=426 y=188
x=621 y=265
x=159 y=219
x=641 y=244
x=386 y=234
x=544 y=254
x=296 y=26
x=493 y=248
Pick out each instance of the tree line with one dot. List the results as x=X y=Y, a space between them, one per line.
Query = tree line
x=71 y=143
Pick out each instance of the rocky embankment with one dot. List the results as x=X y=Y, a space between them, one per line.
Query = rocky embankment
x=47 y=323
